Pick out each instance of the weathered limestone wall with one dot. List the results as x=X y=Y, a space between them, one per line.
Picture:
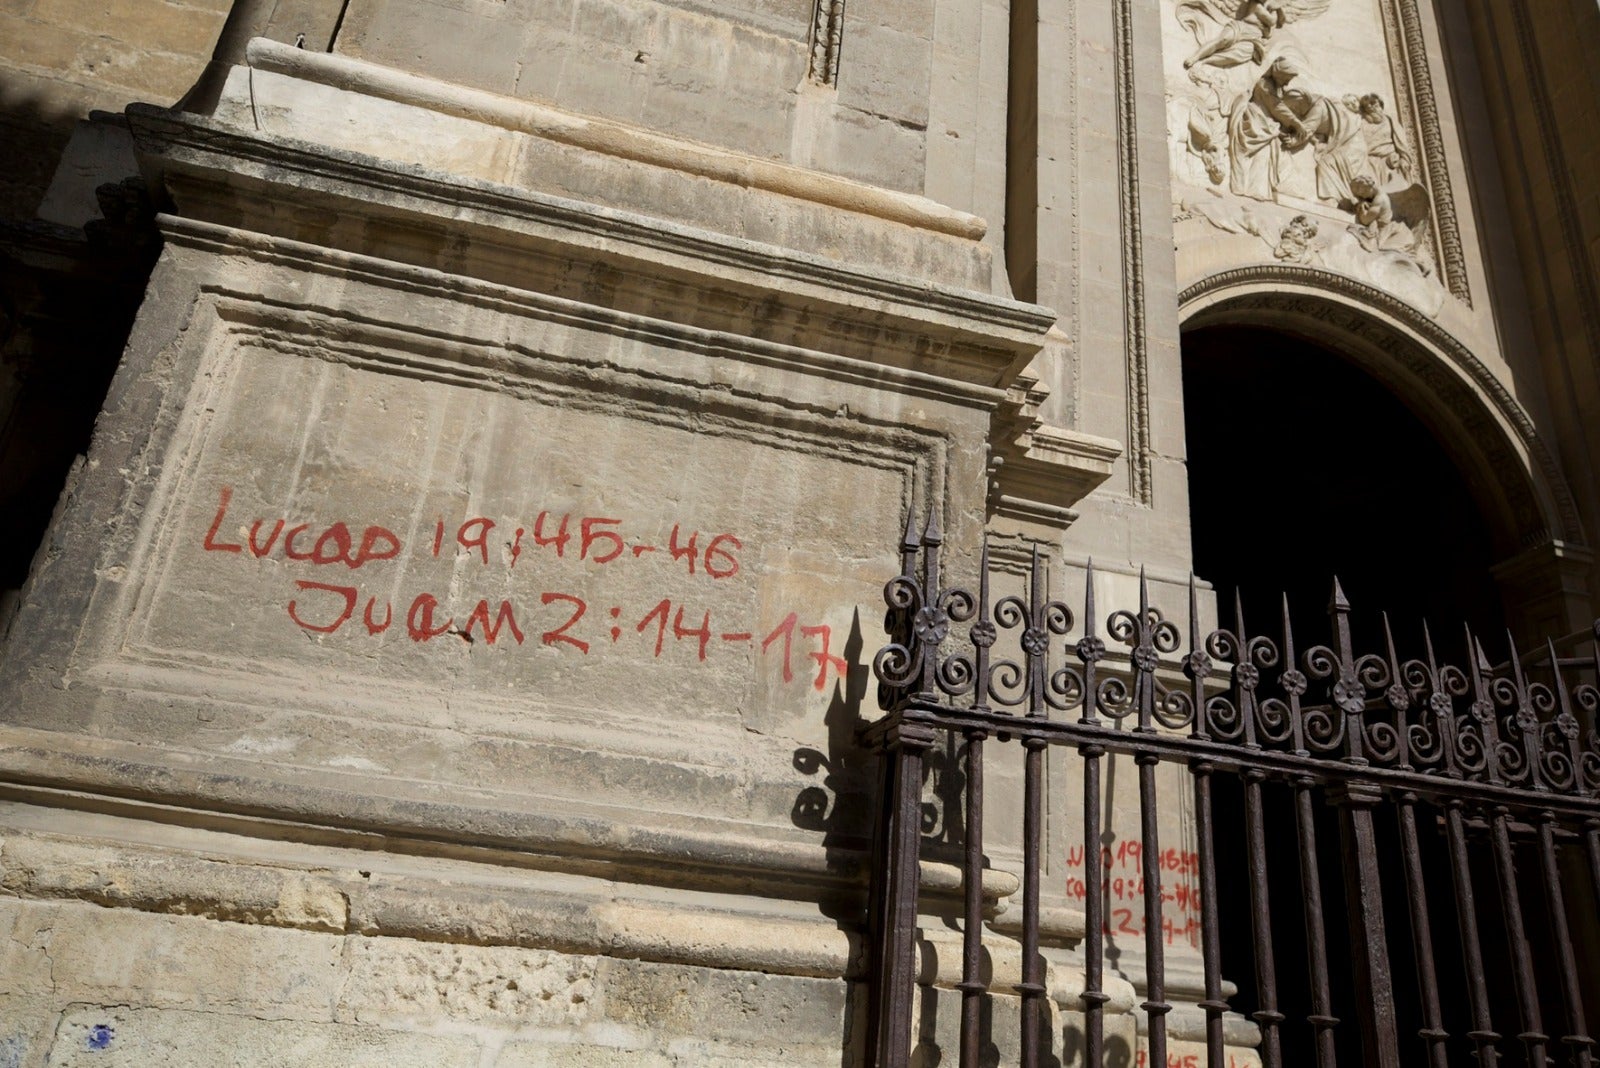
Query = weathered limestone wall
x=133 y=944
x=60 y=59
x=733 y=75
x=1111 y=365
x=1528 y=130
x=524 y=548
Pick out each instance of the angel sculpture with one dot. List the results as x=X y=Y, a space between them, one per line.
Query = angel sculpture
x=1396 y=222
x=1241 y=27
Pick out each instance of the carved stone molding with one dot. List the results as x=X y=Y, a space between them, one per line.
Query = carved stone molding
x=1408 y=61
x=527 y=239
x=1417 y=352
x=1550 y=582
x=590 y=133
x=1038 y=472
x=827 y=40
x=1133 y=305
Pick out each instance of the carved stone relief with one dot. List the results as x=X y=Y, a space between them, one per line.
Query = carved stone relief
x=1284 y=126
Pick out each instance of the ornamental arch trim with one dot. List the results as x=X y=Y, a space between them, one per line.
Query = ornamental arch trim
x=1507 y=467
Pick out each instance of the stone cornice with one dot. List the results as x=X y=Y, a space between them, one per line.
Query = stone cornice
x=1038 y=472
x=426 y=283
x=569 y=248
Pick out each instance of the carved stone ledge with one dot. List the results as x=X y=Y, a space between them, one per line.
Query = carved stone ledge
x=350 y=202
x=1549 y=582
x=1038 y=472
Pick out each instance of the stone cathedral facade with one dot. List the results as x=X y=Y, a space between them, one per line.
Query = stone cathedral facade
x=454 y=450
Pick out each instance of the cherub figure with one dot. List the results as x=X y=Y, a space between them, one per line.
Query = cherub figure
x=1234 y=32
x=1373 y=209
x=1377 y=229
x=1396 y=223
x=1294 y=241
x=1253 y=24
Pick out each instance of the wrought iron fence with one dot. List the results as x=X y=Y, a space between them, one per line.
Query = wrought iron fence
x=1499 y=760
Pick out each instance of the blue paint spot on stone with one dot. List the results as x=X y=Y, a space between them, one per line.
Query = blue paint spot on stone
x=11 y=1051
x=100 y=1036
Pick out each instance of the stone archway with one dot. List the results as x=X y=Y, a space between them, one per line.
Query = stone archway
x=1541 y=563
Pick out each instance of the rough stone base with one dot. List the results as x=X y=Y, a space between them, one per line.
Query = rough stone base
x=86 y=985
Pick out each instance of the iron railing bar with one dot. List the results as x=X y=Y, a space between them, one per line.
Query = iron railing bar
x=1591 y=846
x=1363 y=883
x=1155 y=1003
x=1321 y=1018
x=972 y=985
x=1255 y=832
x=1196 y=667
x=1532 y=1035
x=1483 y=1034
x=1094 y=998
x=1181 y=748
x=1032 y=986
x=1432 y=1031
x=899 y=975
x=1369 y=945
x=1577 y=1037
x=1090 y=649
x=878 y=897
x=1210 y=926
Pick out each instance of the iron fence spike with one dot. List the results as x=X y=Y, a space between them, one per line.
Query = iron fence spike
x=1088 y=600
x=1338 y=602
x=1194 y=617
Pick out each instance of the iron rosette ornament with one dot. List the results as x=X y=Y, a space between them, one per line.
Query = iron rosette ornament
x=1523 y=706
x=1587 y=697
x=1149 y=636
x=1247 y=718
x=920 y=613
x=1031 y=682
x=1434 y=689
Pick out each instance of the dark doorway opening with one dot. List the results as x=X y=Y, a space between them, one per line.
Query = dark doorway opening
x=1303 y=467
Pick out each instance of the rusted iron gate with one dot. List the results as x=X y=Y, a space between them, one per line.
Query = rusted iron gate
x=1497 y=759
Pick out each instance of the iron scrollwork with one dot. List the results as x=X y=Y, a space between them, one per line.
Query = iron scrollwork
x=1019 y=655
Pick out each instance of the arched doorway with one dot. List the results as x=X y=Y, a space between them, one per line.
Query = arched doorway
x=1302 y=468
x=1434 y=398
x=1305 y=462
